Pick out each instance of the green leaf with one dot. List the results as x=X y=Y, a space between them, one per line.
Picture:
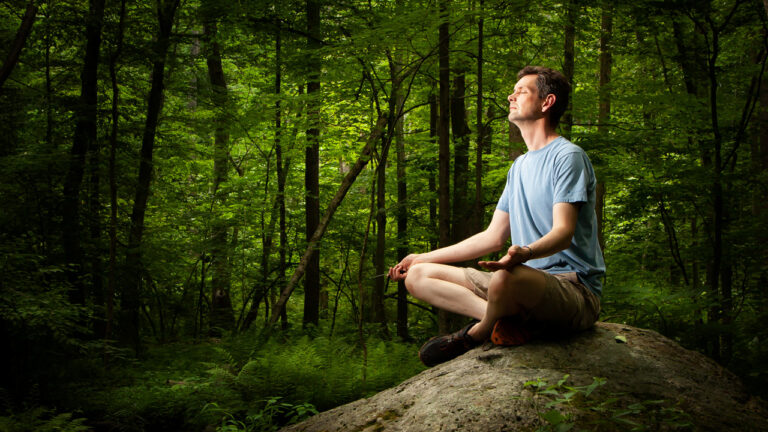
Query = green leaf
x=554 y=417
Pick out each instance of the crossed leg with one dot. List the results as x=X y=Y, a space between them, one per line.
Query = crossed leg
x=446 y=287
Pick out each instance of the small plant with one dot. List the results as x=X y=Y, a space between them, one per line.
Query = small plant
x=273 y=415
x=602 y=414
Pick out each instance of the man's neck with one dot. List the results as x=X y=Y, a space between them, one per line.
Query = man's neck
x=537 y=134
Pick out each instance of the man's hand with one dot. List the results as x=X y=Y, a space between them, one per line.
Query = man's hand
x=400 y=271
x=516 y=255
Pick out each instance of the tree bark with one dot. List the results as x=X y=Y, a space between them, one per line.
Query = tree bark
x=312 y=166
x=377 y=297
x=462 y=210
x=84 y=139
x=569 y=63
x=604 y=110
x=446 y=320
x=482 y=133
x=443 y=124
x=402 y=199
x=112 y=174
x=25 y=28
x=222 y=315
x=129 y=314
x=281 y=171
x=433 y=221
x=349 y=179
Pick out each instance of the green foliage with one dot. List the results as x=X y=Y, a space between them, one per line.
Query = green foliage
x=241 y=383
x=579 y=408
x=272 y=415
x=42 y=420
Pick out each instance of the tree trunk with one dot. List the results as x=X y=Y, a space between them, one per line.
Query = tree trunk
x=693 y=66
x=21 y=38
x=312 y=166
x=569 y=63
x=443 y=124
x=349 y=179
x=433 y=223
x=446 y=320
x=462 y=210
x=482 y=135
x=129 y=314
x=280 y=164
x=377 y=297
x=84 y=139
x=222 y=316
x=112 y=174
x=604 y=111
x=402 y=198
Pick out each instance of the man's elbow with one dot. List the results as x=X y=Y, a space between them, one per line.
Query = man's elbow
x=498 y=243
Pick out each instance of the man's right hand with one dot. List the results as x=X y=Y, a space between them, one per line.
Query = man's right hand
x=516 y=255
x=400 y=271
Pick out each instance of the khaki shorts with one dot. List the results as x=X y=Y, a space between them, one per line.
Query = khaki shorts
x=567 y=305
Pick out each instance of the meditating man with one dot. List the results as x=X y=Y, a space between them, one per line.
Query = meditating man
x=550 y=278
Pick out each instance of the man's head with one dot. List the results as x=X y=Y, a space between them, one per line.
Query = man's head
x=550 y=81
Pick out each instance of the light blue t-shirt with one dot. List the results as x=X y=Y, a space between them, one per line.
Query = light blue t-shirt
x=537 y=180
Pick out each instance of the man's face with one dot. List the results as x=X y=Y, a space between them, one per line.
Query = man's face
x=524 y=102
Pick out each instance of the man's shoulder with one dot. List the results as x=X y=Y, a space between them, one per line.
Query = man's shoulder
x=563 y=147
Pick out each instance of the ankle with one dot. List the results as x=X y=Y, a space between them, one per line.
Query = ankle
x=478 y=333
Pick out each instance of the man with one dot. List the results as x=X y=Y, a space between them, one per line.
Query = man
x=550 y=278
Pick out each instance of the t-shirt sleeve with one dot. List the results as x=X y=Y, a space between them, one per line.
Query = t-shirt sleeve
x=571 y=178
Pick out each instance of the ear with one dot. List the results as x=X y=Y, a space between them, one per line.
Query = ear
x=548 y=102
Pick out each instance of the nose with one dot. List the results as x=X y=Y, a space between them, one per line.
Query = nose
x=512 y=97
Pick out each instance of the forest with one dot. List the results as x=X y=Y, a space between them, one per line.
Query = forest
x=201 y=198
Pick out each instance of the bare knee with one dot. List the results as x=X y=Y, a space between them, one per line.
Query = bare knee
x=413 y=280
x=505 y=283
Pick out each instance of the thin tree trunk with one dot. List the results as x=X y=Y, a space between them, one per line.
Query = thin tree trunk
x=312 y=166
x=131 y=304
x=693 y=66
x=84 y=139
x=21 y=39
x=604 y=111
x=462 y=210
x=377 y=297
x=477 y=209
x=402 y=197
x=569 y=62
x=443 y=125
x=433 y=116
x=112 y=174
x=349 y=179
x=445 y=319
x=222 y=314
x=720 y=266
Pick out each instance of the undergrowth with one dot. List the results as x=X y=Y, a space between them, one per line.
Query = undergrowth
x=249 y=382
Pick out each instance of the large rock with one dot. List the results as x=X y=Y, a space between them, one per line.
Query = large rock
x=484 y=390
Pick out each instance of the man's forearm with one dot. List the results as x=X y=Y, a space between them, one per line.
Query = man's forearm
x=552 y=243
x=473 y=247
x=564 y=216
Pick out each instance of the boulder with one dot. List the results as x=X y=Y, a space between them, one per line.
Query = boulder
x=644 y=378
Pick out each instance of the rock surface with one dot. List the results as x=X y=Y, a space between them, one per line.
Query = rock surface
x=484 y=390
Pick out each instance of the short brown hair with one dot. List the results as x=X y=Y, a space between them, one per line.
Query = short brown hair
x=550 y=81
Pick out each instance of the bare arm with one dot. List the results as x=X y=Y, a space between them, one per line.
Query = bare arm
x=564 y=218
x=485 y=242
